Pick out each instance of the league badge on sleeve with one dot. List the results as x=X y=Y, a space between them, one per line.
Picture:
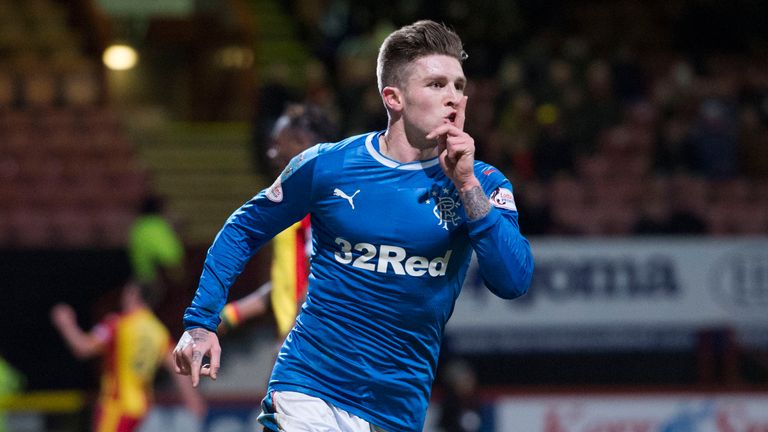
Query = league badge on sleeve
x=503 y=198
x=275 y=192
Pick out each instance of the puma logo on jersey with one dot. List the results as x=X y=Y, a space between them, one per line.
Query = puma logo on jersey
x=340 y=193
x=392 y=258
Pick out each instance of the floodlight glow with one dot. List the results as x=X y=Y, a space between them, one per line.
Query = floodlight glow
x=120 y=57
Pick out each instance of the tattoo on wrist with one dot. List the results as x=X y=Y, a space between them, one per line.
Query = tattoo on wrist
x=476 y=203
x=198 y=335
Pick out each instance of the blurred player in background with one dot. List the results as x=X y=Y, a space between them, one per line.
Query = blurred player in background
x=133 y=344
x=396 y=216
x=155 y=251
x=299 y=127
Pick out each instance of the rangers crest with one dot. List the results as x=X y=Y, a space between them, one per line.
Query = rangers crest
x=446 y=205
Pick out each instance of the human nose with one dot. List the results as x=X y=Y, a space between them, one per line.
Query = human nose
x=453 y=95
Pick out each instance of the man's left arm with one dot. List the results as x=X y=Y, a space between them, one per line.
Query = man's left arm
x=504 y=256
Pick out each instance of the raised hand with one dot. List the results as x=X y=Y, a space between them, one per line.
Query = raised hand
x=63 y=315
x=456 y=152
x=456 y=149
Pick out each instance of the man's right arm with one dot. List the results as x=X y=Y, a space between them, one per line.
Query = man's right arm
x=246 y=230
x=83 y=345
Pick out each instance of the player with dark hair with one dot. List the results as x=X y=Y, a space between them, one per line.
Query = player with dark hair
x=132 y=344
x=396 y=216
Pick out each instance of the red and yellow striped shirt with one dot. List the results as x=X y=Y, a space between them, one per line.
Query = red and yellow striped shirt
x=289 y=273
x=135 y=345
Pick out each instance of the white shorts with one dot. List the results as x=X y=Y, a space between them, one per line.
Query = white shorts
x=286 y=411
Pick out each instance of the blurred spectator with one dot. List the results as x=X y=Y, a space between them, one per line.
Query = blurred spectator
x=655 y=210
x=568 y=204
x=754 y=144
x=553 y=151
x=355 y=58
x=689 y=198
x=601 y=109
x=273 y=96
x=320 y=91
x=713 y=139
x=535 y=213
x=514 y=139
x=462 y=409
x=672 y=153
x=155 y=250
x=629 y=77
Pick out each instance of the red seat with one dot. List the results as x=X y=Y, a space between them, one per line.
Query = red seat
x=30 y=228
x=73 y=228
x=112 y=226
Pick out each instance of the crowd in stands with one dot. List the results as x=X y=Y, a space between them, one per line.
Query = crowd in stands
x=623 y=119
x=69 y=176
x=631 y=118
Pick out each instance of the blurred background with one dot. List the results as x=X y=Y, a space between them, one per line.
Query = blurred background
x=635 y=135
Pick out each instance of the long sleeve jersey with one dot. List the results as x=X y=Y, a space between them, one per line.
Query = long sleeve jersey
x=391 y=246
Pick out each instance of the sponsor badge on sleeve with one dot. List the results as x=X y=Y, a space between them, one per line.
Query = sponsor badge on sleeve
x=503 y=198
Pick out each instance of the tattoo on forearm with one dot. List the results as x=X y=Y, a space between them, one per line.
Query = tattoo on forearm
x=476 y=203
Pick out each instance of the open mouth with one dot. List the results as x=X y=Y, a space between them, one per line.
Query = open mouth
x=451 y=118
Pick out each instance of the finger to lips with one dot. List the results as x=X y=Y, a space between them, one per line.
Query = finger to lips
x=443 y=129
x=461 y=109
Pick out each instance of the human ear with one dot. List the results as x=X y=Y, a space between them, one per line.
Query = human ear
x=392 y=98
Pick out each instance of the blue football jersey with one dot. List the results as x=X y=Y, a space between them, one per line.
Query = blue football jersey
x=391 y=246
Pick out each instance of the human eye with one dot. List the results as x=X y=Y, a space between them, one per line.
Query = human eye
x=436 y=84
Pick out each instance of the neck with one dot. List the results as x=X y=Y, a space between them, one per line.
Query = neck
x=394 y=144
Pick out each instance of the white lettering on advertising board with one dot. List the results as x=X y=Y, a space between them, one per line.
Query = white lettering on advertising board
x=703 y=282
x=617 y=413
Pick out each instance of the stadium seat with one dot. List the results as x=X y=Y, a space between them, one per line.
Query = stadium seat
x=29 y=228
x=7 y=90
x=750 y=218
x=566 y=190
x=72 y=228
x=39 y=88
x=112 y=225
x=720 y=221
x=80 y=87
x=615 y=219
x=592 y=168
